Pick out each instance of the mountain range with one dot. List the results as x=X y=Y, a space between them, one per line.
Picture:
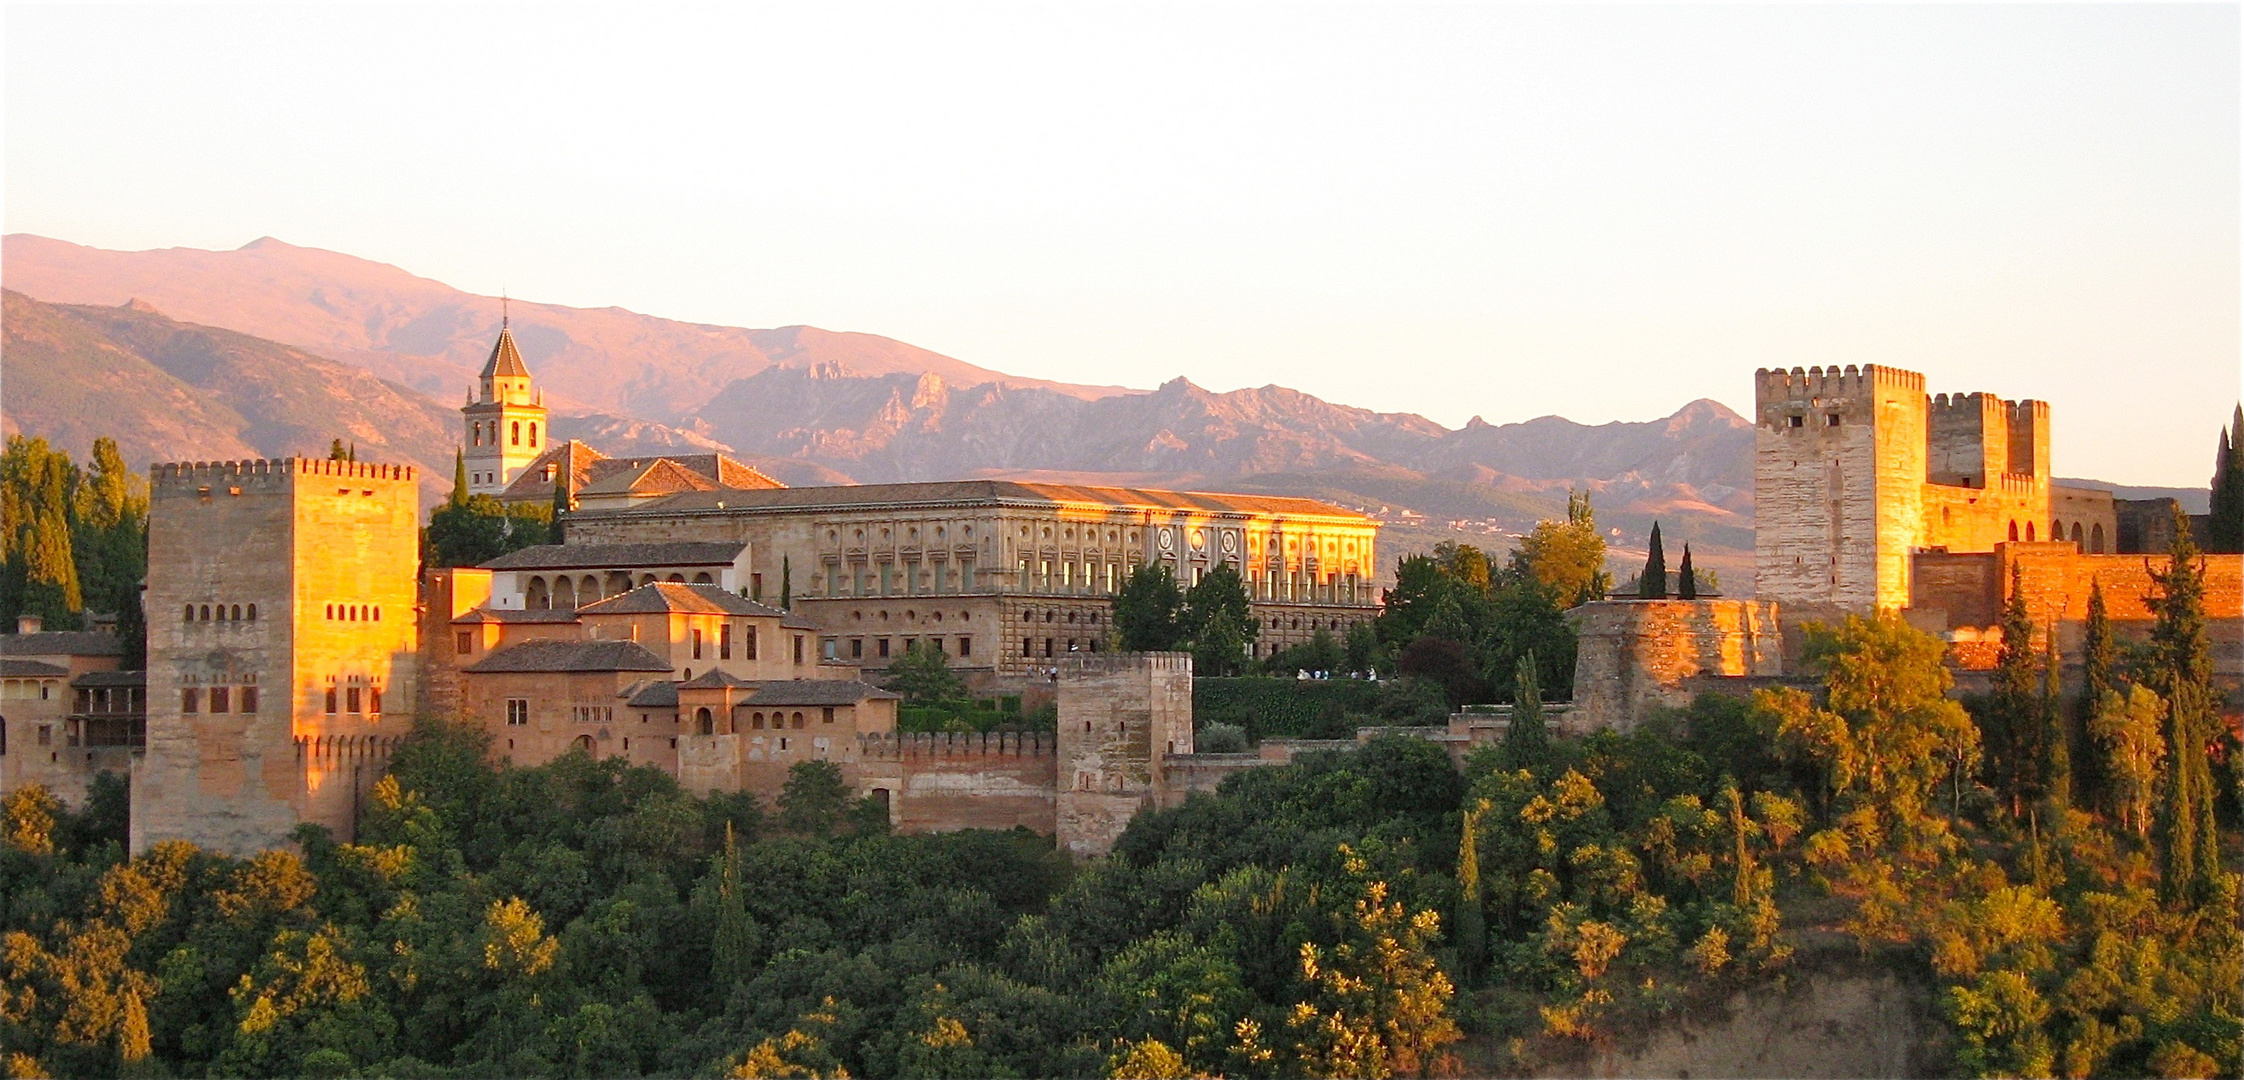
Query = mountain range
x=272 y=349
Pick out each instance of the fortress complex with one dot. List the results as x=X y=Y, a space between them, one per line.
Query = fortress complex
x=1871 y=495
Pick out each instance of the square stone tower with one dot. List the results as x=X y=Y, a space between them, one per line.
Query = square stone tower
x=1121 y=714
x=1856 y=470
x=281 y=646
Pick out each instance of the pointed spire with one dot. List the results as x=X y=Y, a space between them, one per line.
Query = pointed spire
x=506 y=360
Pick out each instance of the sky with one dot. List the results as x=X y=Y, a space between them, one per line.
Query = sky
x=1601 y=212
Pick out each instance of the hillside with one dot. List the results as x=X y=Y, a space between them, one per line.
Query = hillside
x=170 y=390
x=431 y=337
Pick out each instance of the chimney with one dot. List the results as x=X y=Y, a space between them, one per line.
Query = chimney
x=29 y=624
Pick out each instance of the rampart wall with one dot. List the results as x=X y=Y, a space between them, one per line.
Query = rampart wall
x=1634 y=655
x=938 y=781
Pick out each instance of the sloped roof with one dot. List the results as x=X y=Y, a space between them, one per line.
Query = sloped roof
x=512 y=615
x=32 y=669
x=506 y=360
x=653 y=694
x=991 y=492
x=618 y=556
x=808 y=692
x=681 y=598
x=111 y=678
x=570 y=656
x=715 y=679
x=571 y=459
x=62 y=643
x=661 y=476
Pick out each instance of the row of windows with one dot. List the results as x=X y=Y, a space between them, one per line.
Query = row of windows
x=707 y=721
x=117 y=699
x=1028 y=646
x=354 y=699
x=219 y=613
x=514 y=436
x=881 y=646
x=354 y=612
x=1798 y=420
x=224 y=699
x=724 y=643
x=590 y=714
x=907 y=579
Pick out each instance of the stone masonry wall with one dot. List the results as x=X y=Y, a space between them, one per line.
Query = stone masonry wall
x=1637 y=654
x=937 y=782
x=1121 y=714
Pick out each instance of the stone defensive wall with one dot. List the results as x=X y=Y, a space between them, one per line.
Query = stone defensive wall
x=1962 y=595
x=1637 y=654
x=197 y=473
x=938 y=781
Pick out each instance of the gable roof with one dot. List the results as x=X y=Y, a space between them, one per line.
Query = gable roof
x=715 y=679
x=570 y=656
x=32 y=669
x=571 y=460
x=660 y=476
x=653 y=694
x=619 y=556
x=62 y=643
x=680 y=598
x=808 y=692
x=506 y=360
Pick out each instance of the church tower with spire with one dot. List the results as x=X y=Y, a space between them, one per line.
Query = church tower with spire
x=506 y=426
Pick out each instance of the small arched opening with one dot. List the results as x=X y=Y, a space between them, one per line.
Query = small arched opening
x=704 y=722
x=582 y=742
x=703 y=578
x=2014 y=530
x=2096 y=539
x=564 y=594
x=535 y=598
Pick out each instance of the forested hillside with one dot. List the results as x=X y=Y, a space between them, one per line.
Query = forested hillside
x=2064 y=871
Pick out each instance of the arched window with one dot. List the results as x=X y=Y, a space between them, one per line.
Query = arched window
x=2096 y=539
x=536 y=598
x=478 y=426
x=206 y=613
x=703 y=578
x=582 y=742
x=756 y=721
x=588 y=590
x=2029 y=532
x=533 y=433
x=189 y=616
x=705 y=722
x=564 y=594
x=2076 y=532
x=679 y=578
x=798 y=720
x=237 y=613
x=517 y=433
x=253 y=613
x=2056 y=529
x=2014 y=530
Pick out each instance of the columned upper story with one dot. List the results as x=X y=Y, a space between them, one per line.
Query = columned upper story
x=506 y=425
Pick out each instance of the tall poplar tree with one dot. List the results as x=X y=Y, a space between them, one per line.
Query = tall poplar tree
x=1527 y=740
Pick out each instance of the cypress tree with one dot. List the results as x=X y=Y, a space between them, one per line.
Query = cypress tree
x=2098 y=665
x=2225 y=532
x=2012 y=728
x=1526 y=741
x=787 y=583
x=335 y=451
x=2057 y=753
x=459 y=479
x=1686 y=579
x=1653 y=585
x=2182 y=671
x=735 y=937
x=1472 y=928
x=132 y=630
x=560 y=507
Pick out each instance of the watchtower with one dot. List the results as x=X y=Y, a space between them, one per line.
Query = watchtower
x=1838 y=474
x=1121 y=714
x=506 y=426
x=281 y=646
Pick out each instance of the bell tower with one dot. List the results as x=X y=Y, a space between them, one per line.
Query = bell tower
x=506 y=426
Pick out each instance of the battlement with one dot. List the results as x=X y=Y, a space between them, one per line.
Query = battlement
x=1106 y=663
x=1779 y=384
x=180 y=475
x=1988 y=405
x=896 y=746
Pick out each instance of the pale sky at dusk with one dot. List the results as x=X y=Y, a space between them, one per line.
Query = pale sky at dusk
x=1599 y=212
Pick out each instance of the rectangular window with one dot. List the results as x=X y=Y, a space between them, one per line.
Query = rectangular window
x=887 y=585
x=47 y=734
x=1028 y=647
x=751 y=643
x=221 y=699
x=829 y=717
x=352 y=697
x=374 y=700
x=1797 y=421
x=966 y=576
x=724 y=642
x=857 y=648
x=464 y=642
x=517 y=712
x=965 y=646
x=883 y=649
x=249 y=699
x=1047 y=648
x=190 y=699
x=798 y=649
x=330 y=701
x=1831 y=420
x=756 y=587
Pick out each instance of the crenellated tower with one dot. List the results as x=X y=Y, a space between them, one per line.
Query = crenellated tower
x=506 y=425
